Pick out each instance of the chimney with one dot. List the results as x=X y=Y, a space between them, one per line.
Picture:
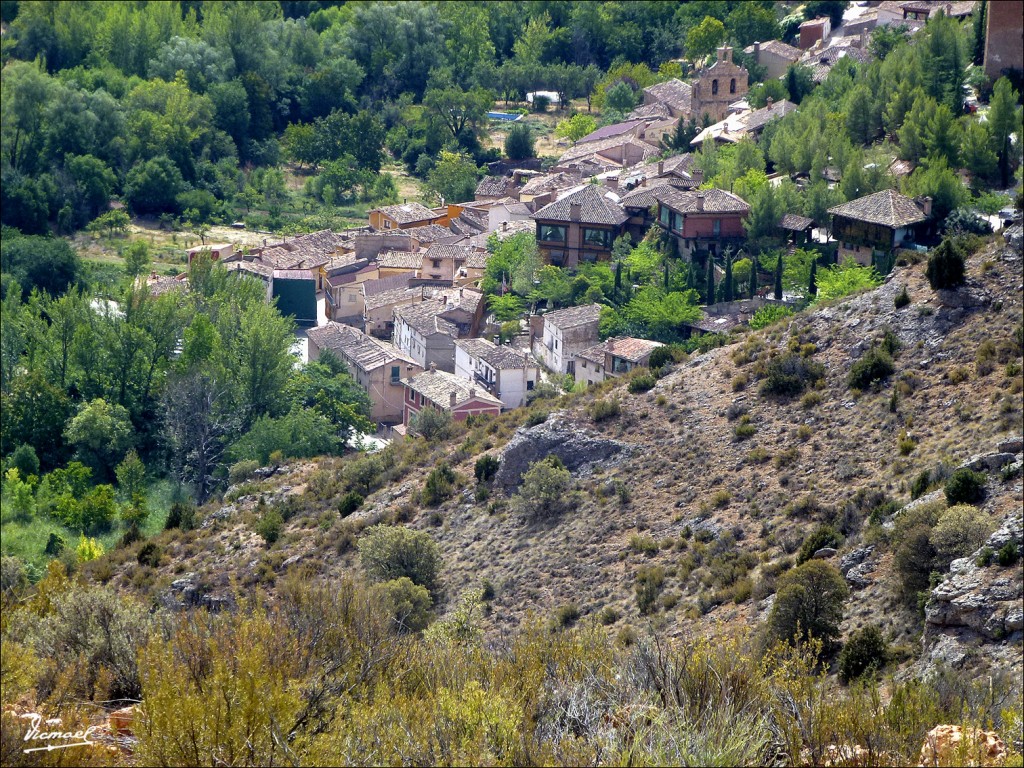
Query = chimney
x=757 y=51
x=452 y=397
x=926 y=205
x=863 y=39
x=504 y=226
x=433 y=368
x=661 y=168
x=472 y=391
x=728 y=53
x=769 y=102
x=575 y=210
x=700 y=202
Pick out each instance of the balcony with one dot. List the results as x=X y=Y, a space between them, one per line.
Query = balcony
x=481 y=379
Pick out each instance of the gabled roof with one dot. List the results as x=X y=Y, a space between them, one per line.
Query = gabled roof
x=493 y=186
x=581 y=151
x=673 y=92
x=778 y=48
x=643 y=196
x=701 y=201
x=624 y=347
x=392 y=296
x=608 y=131
x=550 y=182
x=888 y=208
x=655 y=111
x=407 y=213
x=595 y=208
x=373 y=287
x=400 y=260
x=447 y=252
x=759 y=118
x=428 y=233
x=794 y=223
x=439 y=386
x=501 y=358
x=363 y=351
x=573 y=317
x=425 y=318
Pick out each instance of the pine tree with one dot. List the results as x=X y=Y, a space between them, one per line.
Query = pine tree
x=728 y=290
x=980 y=24
x=710 y=277
x=778 y=279
x=812 y=283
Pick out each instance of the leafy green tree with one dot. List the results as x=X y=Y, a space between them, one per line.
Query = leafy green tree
x=458 y=110
x=946 y=266
x=709 y=289
x=25 y=460
x=97 y=509
x=1004 y=118
x=390 y=552
x=453 y=178
x=136 y=258
x=153 y=186
x=545 y=491
x=943 y=62
x=799 y=82
x=505 y=308
x=325 y=386
x=808 y=603
x=300 y=145
x=49 y=264
x=620 y=97
x=576 y=127
x=131 y=477
x=977 y=153
x=101 y=433
x=846 y=278
x=301 y=433
x=750 y=23
x=938 y=181
x=408 y=604
x=94 y=183
x=35 y=413
x=703 y=39
x=519 y=143
x=774 y=89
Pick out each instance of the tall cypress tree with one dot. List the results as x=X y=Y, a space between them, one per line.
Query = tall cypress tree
x=812 y=283
x=752 y=283
x=710 y=277
x=666 y=275
x=778 y=279
x=618 y=276
x=728 y=291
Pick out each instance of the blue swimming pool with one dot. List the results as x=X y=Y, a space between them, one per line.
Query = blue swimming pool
x=509 y=117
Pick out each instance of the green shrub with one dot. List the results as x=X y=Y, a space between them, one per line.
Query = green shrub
x=349 y=503
x=985 y=557
x=643 y=545
x=432 y=424
x=486 y=468
x=825 y=536
x=965 y=487
x=602 y=410
x=1008 y=554
x=545 y=490
x=389 y=552
x=407 y=604
x=566 y=615
x=242 y=470
x=649 y=582
x=661 y=357
x=270 y=524
x=902 y=299
x=921 y=483
x=25 y=460
x=809 y=603
x=866 y=651
x=946 y=265
x=182 y=515
x=149 y=554
x=874 y=365
x=769 y=314
x=961 y=530
x=607 y=616
x=641 y=383
x=439 y=486
x=790 y=374
x=55 y=545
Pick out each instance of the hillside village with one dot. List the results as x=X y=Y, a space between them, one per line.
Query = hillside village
x=524 y=383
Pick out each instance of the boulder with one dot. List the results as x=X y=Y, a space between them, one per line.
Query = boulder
x=1013 y=445
x=852 y=559
x=577 y=449
x=824 y=553
x=953 y=745
x=120 y=721
x=988 y=461
x=857 y=577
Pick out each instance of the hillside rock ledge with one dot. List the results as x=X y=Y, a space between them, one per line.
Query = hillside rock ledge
x=577 y=448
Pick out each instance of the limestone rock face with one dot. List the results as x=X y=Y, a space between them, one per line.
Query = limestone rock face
x=953 y=745
x=577 y=448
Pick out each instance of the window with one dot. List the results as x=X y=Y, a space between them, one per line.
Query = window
x=664 y=216
x=732 y=85
x=599 y=238
x=351 y=297
x=396 y=374
x=678 y=226
x=529 y=385
x=714 y=87
x=435 y=263
x=716 y=227
x=583 y=363
x=550 y=233
x=387 y=224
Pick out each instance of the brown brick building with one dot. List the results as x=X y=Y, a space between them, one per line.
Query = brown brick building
x=1004 y=37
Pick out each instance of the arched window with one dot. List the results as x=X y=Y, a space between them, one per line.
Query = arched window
x=732 y=85
x=714 y=87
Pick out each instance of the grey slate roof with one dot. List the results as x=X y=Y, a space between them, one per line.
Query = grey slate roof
x=595 y=208
x=779 y=48
x=400 y=259
x=493 y=186
x=363 y=351
x=608 y=131
x=673 y=92
x=643 y=197
x=501 y=358
x=425 y=319
x=438 y=386
x=888 y=208
x=573 y=317
x=795 y=223
x=714 y=200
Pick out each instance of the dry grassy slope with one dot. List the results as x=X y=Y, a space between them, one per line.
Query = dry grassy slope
x=686 y=453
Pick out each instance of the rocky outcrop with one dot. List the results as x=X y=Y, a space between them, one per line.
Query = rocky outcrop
x=953 y=745
x=577 y=448
x=856 y=567
x=186 y=593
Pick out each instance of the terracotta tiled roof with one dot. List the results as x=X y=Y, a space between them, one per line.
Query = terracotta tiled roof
x=550 y=182
x=407 y=213
x=702 y=200
x=439 y=386
x=608 y=131
x=493 y=186
x=501 y=358
x=365 y=352
x=778 y=48
x=625 y=347
x=581 y=151
x=400 y=260
x=795 y=223
x=673 y=92
x=595 y=208
x=393 y=296
x=572 y=317
x=888 y=208
x=425 y=319
x=428 y=233
x=477 y=259
x=447 y=252
x=649 y=112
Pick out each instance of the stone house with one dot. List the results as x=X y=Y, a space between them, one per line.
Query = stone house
x=504 y=372
x=391 y=263
x=815 y=31
x=566 y=332
x=775 y=56
x=378 y=366
x=702 y=220
x=613 y=358
x=675 y=95
x=403 y=216
x=878 y=223
x=579 y=227
x=379 y=307
x=447 y=393
x=426 y=331
x=443 y=262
